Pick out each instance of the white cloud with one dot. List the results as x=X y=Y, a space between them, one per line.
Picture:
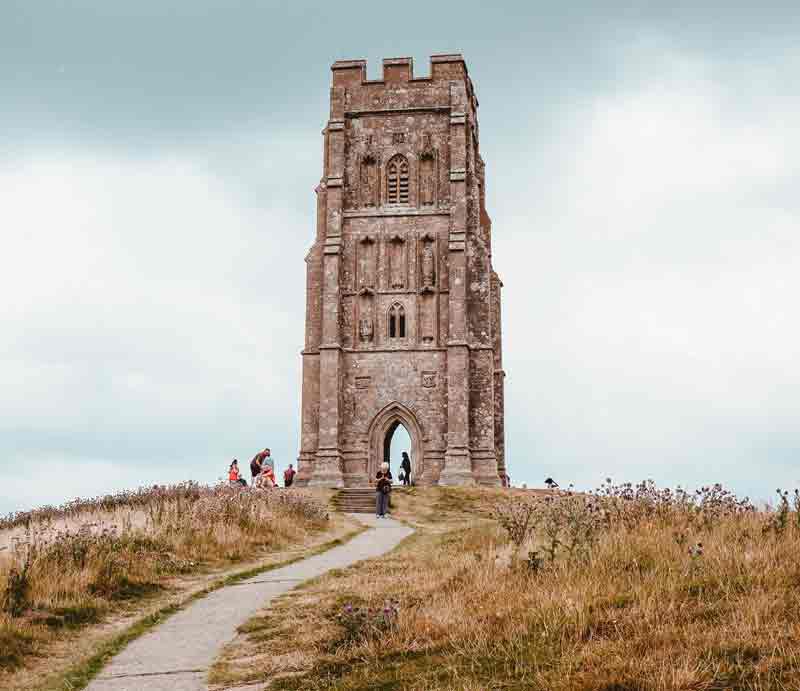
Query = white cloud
x=654 y=285
x=150 y=314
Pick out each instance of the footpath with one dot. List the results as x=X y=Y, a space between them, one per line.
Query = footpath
x=176 y=655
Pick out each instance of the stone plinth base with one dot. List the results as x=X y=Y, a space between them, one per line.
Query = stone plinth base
x=457 y=469
x=305 y=464
x=326 y=470
x=484 y=466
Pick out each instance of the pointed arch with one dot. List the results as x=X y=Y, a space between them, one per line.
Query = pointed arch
x=397 y=180
x=383 y=424
x=396 y=321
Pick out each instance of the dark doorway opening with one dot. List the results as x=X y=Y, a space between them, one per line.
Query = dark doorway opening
x=396 y=441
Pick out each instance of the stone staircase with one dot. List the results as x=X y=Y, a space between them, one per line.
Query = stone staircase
x=358 y=499
x=354 y=500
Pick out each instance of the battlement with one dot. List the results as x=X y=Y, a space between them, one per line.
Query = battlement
x=445 y=67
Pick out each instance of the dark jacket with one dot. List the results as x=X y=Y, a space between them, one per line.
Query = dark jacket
x=384 y=480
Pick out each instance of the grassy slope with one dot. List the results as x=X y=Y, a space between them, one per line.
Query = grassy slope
x=640 y=613
x=69 y=624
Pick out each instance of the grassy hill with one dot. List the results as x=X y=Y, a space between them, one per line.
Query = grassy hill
x=77 y=579
x=629 y=589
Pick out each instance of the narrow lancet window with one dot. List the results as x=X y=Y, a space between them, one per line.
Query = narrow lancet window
x=397 y=321
x=397 y=180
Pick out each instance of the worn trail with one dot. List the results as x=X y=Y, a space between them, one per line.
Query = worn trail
x=176 y=655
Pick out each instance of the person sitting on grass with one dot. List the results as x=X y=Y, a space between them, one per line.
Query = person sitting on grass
x=233 y=474
x=267 y=477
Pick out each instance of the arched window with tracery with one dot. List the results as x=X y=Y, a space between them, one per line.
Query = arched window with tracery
x=397 y=180
x=397 y=321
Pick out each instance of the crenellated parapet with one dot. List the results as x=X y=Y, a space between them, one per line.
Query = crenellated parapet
x=352 y=94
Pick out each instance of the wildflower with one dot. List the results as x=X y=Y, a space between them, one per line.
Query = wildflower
x=696 y=550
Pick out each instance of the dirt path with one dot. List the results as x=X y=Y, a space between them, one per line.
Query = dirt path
x=176 y=655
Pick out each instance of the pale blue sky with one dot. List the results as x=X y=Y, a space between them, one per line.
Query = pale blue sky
x=157 y=166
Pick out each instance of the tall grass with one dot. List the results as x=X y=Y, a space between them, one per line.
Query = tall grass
x=63 y=579
x=628 y=588
x=142 y=497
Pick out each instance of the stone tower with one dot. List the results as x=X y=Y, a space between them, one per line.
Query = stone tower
x=402 y=302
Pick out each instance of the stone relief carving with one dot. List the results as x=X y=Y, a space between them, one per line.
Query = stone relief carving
x=428 y=264
x=365 y=329
x=366 y=322
x=369 y=182
x=429 y=380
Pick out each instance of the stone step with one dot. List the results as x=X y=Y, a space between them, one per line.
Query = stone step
x=358 y=509
x=356 y=499
x=355 y=503
x=359 y=491
x=345 y=505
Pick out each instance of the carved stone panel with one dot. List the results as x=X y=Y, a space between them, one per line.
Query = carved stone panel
x=428 y=262
x=429 y=380
x=370 y=183
x=397 y=262
x=427 y=318
x=366 y=317
x=367 y=262
x=427 y=173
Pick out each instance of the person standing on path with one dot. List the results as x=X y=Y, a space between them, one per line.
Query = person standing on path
x=405 y=465
x=288 y=476
x=255 y=468
x=382 y=489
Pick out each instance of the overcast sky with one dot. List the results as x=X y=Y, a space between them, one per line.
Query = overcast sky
x=157 y=167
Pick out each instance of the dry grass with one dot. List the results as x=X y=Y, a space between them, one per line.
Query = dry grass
x=640 y=606
x=57 y=582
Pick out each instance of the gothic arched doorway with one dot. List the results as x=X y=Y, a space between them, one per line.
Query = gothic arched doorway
x=381 y=432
